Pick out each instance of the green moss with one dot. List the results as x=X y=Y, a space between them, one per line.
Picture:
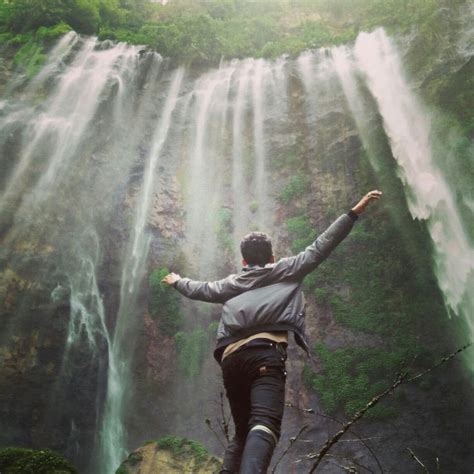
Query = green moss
x=224 y=229
x=212 y=328
x=298 y=185
x=30 y=58
x=134 y=458
x=302 y=232
x=29 y=461
x=192 y=348
x=353 y=376
x=164 y=303
x=52 y=32
x=183 y=447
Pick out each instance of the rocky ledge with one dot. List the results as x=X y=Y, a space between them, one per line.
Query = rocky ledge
x=172 y=455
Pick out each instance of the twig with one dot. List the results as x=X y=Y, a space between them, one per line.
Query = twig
x=292 y=441
x=331 y=441
x=352 y=461
x=402 y=377
x=209 y=425
x=413 y=455
x=442 y=361
x=351 y=470
x=225 y=424
x=359 y=438
x=371 y=451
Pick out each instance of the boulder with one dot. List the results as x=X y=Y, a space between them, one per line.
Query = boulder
x=170 y=455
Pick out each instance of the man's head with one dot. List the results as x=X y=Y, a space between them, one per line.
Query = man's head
x=256 y=249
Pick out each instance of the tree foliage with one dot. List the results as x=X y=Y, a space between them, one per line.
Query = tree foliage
x=204 y=31
x=25 y=461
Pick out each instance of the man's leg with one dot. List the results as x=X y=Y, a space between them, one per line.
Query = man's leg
x=238 y=395
x=255 y=386
x=266 y=413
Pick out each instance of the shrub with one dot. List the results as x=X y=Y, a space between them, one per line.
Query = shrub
x=183 y=447
x=164 y=304
x=53 y=32
x=297 y=186
x=224 y=229
x=29 y=461
x=30 y=58
x=353 y=376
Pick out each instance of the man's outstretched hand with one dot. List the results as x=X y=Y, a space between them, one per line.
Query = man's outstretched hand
x=171 y=279
x=359 y=208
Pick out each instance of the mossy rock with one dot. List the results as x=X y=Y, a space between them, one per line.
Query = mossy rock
x=30 y=461
x=172 y=455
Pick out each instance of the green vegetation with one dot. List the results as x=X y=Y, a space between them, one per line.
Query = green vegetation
x=33 y=46
x=379 y=283
x=132 y=460
x=29 y=461
x=212 y=328
x=204 y=31
x=30 y=57
x=302 y=232
x=298 y=185
x=164 y=304
x=192 y=348
x=180 y=447
x=224 y=230
x=373 y=285
x=353 y=376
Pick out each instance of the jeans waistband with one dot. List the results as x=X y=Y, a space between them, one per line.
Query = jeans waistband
x=280 y=346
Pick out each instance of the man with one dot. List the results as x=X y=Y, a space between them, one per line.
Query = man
x=261 y=304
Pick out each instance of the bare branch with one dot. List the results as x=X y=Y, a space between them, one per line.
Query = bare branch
x=331 y=441
x=292 y=441
x=371 y=451
x=442 y=361
x=359 y=438
x=225 y=423
x=413 y=455
x=401 y=378
x=352 y=461
x=209 y=425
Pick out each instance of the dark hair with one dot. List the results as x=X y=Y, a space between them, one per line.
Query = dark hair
x=256 y=248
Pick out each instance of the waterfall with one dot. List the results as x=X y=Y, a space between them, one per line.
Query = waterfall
x=89 y=143
x=92 y=89
x=238 y=171
x=408 y=127
x=429 y=196
x=113 y=436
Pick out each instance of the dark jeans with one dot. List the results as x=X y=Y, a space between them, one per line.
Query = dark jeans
x=254 y=379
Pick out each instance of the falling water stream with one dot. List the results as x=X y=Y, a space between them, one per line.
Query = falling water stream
x=113 y=117
x=407 y=124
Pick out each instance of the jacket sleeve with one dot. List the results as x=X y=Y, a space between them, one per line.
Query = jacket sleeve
x=211 y=291
x=300 y=265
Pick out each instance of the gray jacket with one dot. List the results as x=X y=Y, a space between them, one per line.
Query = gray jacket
x=267 y=298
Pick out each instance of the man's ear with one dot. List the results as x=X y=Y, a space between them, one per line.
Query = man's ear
x=272 y=260
x=244 y=262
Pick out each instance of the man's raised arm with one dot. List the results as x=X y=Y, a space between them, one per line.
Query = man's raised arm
x=306 y=261
x=211 y=291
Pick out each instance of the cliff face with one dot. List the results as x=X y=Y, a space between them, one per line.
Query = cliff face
x=117 y=166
